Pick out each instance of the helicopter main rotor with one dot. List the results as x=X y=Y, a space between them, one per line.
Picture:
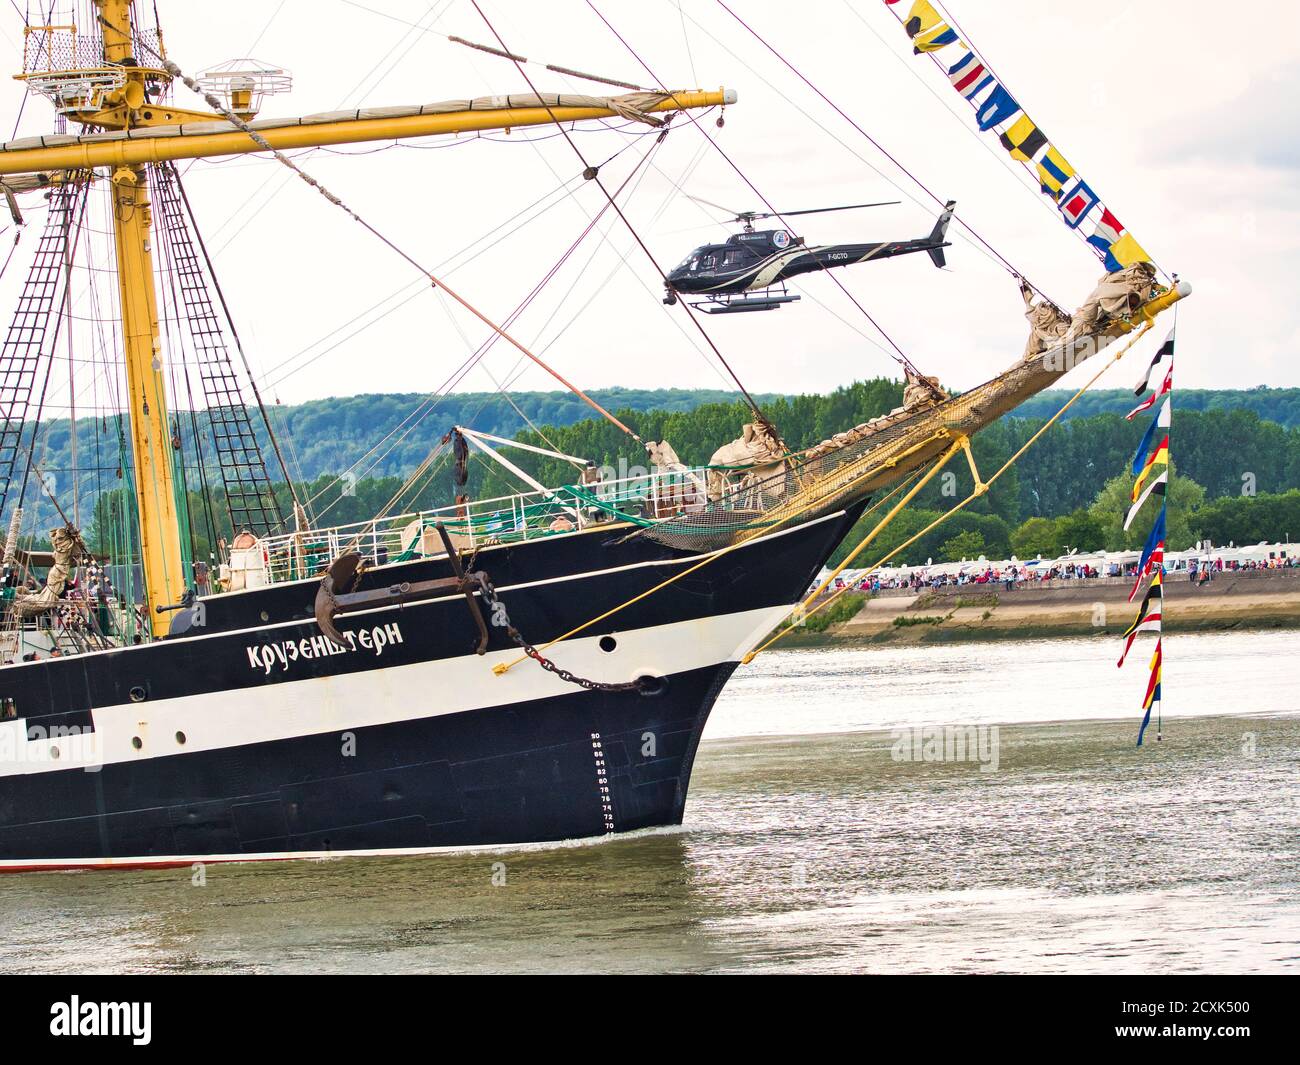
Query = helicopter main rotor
x=748 y=218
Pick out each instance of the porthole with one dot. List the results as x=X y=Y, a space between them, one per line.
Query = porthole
x=137 y=742
x=54 y=752
x=608 y=643
x=137 y=694
x=180 y=738
x=265 y=616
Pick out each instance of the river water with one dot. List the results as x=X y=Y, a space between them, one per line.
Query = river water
x=811 y=845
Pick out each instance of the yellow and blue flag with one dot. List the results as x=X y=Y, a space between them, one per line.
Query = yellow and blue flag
x=927 y=29
x=1053 y=172
x=1159 y=457
x=1160 y=421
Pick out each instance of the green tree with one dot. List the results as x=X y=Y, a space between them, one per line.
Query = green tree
x=1035 y=537
x=1251 y=519
x=1080 y=531
x=969 y=544
x=1184 y=499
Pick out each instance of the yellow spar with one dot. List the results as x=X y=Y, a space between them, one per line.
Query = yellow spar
x=164 y=143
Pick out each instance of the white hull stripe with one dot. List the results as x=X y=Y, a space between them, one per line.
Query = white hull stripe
x=347 y=701
x=519 y=586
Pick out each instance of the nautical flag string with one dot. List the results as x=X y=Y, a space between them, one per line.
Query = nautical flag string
x=1160 y=421
x=927 y=28
x=1165 y=388
x=1153 y=552
x=1152 y=698
x=1158 y=487
x=1159 y=457
x=998 y=112
x=1166 y=350
x=1150 y=615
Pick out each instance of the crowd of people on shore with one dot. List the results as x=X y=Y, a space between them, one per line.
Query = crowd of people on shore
x=1011 y=574
x=1008 y=575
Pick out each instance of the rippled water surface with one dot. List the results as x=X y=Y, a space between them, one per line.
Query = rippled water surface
x=809 y=847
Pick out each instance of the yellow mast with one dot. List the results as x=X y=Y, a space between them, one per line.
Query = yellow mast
x=159 y=133
x=155 y=479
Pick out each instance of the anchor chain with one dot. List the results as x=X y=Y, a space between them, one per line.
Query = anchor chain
x=500 y=618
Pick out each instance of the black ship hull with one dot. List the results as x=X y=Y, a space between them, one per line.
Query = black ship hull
x=250 y=737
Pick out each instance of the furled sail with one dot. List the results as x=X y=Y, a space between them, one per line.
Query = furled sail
x=68 y=547
x=999 y=113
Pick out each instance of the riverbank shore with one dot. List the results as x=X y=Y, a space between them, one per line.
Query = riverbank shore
x=1251 y=599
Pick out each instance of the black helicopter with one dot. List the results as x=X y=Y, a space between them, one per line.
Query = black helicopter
x=759 y=262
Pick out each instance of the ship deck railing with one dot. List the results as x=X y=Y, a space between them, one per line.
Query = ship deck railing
x=644 y=499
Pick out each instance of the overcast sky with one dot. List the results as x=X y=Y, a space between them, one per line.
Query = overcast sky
x=1182 y=117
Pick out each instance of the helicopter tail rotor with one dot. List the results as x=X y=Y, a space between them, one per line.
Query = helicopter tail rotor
x=938 y=235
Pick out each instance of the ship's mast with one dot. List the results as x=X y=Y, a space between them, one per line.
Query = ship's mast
x=155 y=477
x=124 y=94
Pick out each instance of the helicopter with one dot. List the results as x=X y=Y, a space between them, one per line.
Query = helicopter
x=760 y=261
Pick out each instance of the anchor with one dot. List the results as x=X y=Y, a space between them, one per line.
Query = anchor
x=346 y=570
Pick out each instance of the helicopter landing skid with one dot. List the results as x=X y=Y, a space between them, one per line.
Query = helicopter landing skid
x=738 y=304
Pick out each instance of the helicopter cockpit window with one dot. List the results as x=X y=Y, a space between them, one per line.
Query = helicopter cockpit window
x=707 y=262
x=738 y=257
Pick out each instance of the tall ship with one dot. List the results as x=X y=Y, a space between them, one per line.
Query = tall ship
x=531 y=667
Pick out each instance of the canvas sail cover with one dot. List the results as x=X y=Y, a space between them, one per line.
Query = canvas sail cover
x=67 y=545
x=756 y=450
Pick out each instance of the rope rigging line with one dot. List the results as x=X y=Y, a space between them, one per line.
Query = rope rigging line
x=520 y=366
x=431 y=404
x=899 y=355
x=234 y=333
x=504 y=385
x=874 y=143
x=13 y=248
x=413 y=289
x=595 y=176
x=178 y=347
x=503 y=54
x=71 y=240
x=212 y=101
x=981 y=487
x=573 y=247
x=361 y=88
x=437 y=16
x=656 y=300
x=416 y=286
